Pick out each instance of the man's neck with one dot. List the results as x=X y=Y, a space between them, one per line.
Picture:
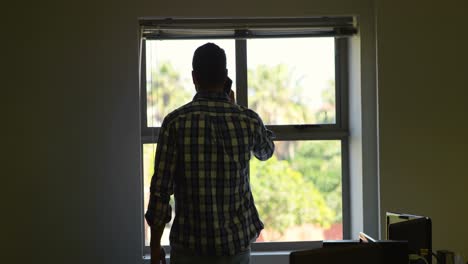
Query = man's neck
x=211 y=89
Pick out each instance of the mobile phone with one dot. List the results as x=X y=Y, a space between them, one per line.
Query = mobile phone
x=227 y=85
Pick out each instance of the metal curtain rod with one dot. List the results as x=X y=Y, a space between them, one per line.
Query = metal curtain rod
x=243 y=23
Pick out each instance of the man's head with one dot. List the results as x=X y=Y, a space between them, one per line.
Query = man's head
x=209 y=67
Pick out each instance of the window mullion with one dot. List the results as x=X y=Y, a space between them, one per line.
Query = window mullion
x=341 y=83
x=143 y=104
x=241 y=72
x=345 y=189
x=338 y=116
x=150 y=135
x=292 y=132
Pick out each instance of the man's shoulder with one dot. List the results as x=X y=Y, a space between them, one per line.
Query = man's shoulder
x=182 y=110
x=250 y=113
x=245 y=112
x=197 y=107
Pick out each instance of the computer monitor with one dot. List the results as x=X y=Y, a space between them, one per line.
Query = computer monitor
x=415 y=229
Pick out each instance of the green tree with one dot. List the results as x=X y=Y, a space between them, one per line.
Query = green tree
x=165 y=92
x=320 y=163
x=326 y=114
x=273 y=93
x=284 y=198
x=276 y=96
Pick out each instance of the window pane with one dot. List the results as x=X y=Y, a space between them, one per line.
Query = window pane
x=148 y=169
x=298 y=191
x=292 y=81
x=169 y=74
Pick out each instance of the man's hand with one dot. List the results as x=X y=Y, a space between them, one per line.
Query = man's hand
x=232 y=96
x=157 y=252
x=157 y=255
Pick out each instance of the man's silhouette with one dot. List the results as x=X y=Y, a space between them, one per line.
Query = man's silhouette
x=202 y=157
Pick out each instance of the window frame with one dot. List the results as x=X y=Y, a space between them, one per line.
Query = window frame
x=340 y=130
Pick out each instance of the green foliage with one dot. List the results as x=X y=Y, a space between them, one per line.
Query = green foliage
x=284 y=198
x=326 y=113
x=148 y=162
x=320 y=163
x=273 y=95
x=165 y=92
x=271 y=91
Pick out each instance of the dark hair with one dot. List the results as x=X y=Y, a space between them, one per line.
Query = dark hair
x=209 y=64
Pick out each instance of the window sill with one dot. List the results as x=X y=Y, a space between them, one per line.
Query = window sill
x=267 y=252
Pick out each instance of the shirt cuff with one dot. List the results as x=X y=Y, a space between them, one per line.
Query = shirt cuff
x=158 y=213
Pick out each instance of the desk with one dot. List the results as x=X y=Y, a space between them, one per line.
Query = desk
x=381 y=252
x=329 y=252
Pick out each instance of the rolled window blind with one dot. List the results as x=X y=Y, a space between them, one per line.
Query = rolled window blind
x=213 y=28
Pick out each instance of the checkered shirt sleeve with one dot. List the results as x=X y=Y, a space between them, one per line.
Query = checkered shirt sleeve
x=159 y=209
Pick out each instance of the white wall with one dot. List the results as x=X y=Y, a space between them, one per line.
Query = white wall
x=73 y=139
x=423 y=111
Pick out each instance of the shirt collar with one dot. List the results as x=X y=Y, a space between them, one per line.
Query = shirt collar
x=213 y=96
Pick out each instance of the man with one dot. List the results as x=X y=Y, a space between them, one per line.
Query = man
x=202 y=157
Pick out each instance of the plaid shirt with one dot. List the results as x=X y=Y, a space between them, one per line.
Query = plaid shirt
x=202 y=157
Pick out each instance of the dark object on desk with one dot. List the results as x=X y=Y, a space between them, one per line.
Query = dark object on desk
x=364 y=238
x=417 y=230
x=445 y=257
x=380 y=252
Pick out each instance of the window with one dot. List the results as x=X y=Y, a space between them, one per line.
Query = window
x=293 y=73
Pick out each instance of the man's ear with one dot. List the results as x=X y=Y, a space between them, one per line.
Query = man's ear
x=195 y=80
